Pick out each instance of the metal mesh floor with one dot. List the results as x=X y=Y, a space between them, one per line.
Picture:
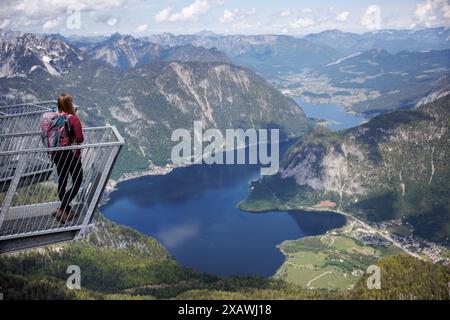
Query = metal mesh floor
x=37 y=218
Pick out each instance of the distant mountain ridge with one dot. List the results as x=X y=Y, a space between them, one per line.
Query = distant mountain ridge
x=22 y=53
x=261 y=53
x=265 y=54
x=125 y=51
x=313 y=50
x=392 y=41
x=402 y=79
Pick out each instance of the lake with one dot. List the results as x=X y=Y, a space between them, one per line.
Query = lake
x=336 y=114
x=192 y=212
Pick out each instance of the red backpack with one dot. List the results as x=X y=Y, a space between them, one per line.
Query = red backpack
x=55 y=129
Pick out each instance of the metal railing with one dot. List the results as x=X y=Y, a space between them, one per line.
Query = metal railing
x=23 y=117
x=30 y=174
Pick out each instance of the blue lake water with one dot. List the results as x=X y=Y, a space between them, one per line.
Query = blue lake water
x=192 y=212
x=332 y=112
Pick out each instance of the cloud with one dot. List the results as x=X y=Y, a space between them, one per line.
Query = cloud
x=313 y=20
x=371 y=19
x=433 y=12
x=189 y=13
x=302 y=23
x=343 y=16
x=141 y=28
x=229 y=16
x=286 y=13
x=112 y=21
x=252 y=12
x=46 y=13
x=239 y=20
x=163 y=15
x=171 y=237
x=4 y=23
x=51 y=24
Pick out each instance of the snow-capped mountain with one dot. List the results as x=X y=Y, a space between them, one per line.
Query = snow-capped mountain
x=24 y=53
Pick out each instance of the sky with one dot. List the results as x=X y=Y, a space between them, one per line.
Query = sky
x=293 y=17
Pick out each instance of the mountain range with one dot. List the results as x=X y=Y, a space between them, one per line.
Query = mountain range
x=365 y=63
x=396 y=166
x=265 y=54
x=393 y=41
x=401 y=80
x=130 y=81
x=128 y=52
x=391 y=68
x=147 y=101
x=21 y=54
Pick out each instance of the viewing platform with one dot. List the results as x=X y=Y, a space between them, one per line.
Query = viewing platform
x=29 y=179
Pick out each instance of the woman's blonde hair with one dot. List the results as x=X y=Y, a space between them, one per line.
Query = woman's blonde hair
x=65 y=103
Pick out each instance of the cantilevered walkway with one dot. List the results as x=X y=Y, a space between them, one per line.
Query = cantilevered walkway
x=28 y=179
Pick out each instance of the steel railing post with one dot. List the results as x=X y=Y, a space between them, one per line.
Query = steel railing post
x=98 y=190
x=23 y=158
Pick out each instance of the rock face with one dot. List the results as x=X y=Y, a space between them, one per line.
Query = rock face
x=149 y=102
x=440 y=90
x=394 y=166
x=22 y=54
x=124 y=51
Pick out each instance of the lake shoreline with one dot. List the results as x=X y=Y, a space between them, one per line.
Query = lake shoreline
x=112 y=184
x=306 y=209
x=154 y=170
x=331 y=115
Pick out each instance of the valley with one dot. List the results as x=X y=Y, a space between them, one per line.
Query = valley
x=334 y=261
x=315 y=87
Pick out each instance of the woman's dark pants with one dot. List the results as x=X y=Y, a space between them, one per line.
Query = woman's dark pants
x=67 y=163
